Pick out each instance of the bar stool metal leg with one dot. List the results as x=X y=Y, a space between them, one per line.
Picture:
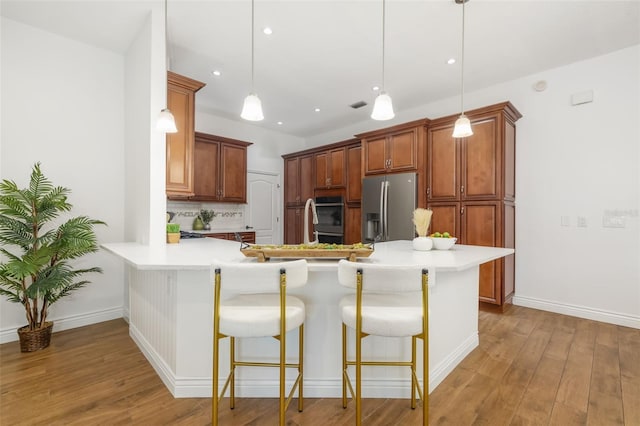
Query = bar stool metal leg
x=300 y=366
x=232 y=372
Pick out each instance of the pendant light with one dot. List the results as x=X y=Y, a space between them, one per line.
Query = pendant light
x=383 y=107
x=462 y=128
x=252 y=108
x=166 y=122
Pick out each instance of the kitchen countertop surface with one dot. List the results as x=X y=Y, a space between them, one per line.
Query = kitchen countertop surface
x=201 y=253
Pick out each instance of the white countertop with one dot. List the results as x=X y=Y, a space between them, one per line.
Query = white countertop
x=200 y=253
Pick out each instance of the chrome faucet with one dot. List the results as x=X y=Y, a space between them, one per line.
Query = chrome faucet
x=312 y=204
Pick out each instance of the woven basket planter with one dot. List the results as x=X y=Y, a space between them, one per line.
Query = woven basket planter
x=34 y=340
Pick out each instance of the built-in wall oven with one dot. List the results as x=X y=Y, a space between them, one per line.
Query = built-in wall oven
x=330 y=225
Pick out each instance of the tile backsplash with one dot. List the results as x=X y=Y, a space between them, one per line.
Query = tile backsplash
x=226 y=216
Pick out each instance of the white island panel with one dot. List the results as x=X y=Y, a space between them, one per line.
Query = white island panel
x=171 y=316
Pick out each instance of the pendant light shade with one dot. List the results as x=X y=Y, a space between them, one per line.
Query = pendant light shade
x=252 y=108
x=462 y=128
x=383 y=107
x=166 y=123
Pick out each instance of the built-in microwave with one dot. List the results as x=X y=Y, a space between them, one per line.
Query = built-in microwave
x=330 y=225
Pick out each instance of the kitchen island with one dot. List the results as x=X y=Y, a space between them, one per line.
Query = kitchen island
x=170 y=317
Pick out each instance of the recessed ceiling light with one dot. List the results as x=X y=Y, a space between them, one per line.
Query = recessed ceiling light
x=375 y=88
x=279 y=123
x=267 y=30
x=317 y=110
x=216 y=73
x=451 y=61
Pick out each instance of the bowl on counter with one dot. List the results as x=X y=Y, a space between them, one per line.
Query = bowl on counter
x=443 y=243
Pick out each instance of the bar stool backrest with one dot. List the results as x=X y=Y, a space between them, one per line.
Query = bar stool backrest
x=261 y=277
x=381 y=278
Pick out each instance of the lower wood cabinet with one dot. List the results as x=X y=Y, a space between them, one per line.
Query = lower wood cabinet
x=353 y=220
x=247 y=237
x=482 y=223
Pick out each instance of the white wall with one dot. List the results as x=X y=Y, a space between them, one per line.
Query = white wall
x=574 y=161
x=145 y=96
x=62 y=105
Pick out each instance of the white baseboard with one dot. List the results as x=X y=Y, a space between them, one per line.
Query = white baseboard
x=578 y=311
x=66 y=323
x=198 y=387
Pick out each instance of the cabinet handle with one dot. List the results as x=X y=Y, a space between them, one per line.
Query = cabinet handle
x=428 y=190
x=462 y=210
x=462 y=189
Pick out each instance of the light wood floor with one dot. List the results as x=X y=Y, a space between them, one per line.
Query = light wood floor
x=532 y=367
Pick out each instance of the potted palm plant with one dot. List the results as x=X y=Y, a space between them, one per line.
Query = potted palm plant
x=37 y=252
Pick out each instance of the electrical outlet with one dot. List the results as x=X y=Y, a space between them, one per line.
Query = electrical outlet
x=582 y=222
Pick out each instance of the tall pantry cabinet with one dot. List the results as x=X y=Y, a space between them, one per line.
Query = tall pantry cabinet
x=471 y=189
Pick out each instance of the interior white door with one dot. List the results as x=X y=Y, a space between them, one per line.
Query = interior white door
x=263 y=197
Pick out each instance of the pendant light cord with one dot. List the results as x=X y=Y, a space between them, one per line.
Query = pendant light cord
x=166 y=37
x=462 y=64
x=252 y=49
x=383 y=40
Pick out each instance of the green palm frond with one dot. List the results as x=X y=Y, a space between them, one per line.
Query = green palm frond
x=41 y=273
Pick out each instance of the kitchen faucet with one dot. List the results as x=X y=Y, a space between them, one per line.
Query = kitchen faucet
x=312 y=204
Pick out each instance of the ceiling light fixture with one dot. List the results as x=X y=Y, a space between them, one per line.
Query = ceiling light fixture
x=216 y=73
x=267 y=31
x=166 y=122
x=451 y=61
x=462 y=128
x=383 y=107
x=252 y=108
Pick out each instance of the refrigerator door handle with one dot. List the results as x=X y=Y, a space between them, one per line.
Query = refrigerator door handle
x=386 y=210
x=381 y=234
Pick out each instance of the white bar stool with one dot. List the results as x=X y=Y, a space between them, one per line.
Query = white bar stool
x=260 y=307
x=385 y=304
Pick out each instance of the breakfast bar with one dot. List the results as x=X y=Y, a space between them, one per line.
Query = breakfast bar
x=170 y=317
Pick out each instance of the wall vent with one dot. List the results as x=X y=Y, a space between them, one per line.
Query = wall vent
x=358 y=104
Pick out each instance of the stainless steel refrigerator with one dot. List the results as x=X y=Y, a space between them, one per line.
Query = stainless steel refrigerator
x=388 y=202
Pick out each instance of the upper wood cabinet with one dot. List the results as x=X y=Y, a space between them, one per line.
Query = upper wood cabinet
x=298 y=179
x=220 y=169
x=180 y=146
x=392 y=150
x=354 y=173
x=481 y=166
x=330 y=168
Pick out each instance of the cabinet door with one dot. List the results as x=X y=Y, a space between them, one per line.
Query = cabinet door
x=442 y=165
x=293 y=225
x=291 y=181
x=403 y=151
x=480 y=223
x=321 y=160
x=481 y=159
x=179 y=174
x=336 y=169
x=446 y=218
x=205 y=162
x=375 y=155
x=306 y=179
x=233 y=173
x=354 y=174
x=353 y=229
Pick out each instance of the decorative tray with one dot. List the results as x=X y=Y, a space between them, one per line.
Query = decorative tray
x=265 y=252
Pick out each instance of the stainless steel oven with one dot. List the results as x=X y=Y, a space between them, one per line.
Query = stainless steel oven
x=330 y=225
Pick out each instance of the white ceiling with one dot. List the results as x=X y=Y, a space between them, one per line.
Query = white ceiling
x=327 y=54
